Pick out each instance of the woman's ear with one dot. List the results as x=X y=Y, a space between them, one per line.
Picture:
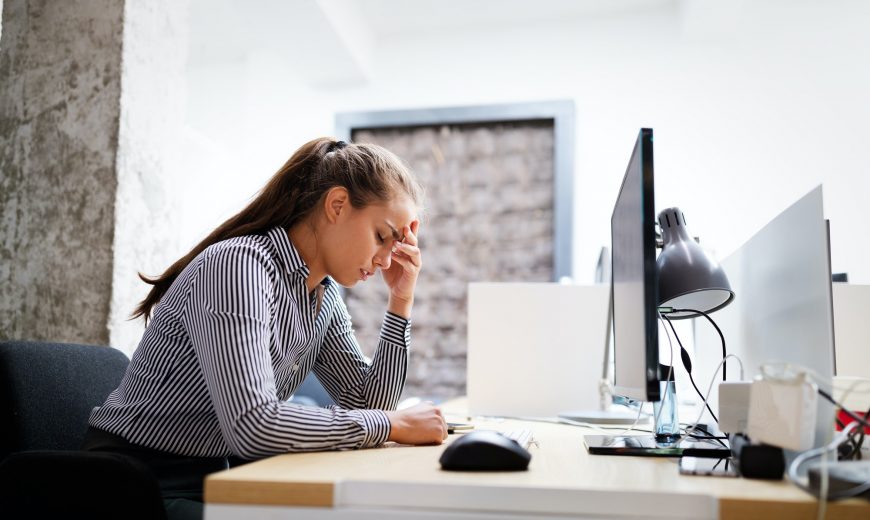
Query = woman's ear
x=335 y=203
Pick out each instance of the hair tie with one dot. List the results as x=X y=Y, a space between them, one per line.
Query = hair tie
x=336 y=145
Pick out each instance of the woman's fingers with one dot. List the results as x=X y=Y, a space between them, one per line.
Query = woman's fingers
x=410 y=233
x=410 y=251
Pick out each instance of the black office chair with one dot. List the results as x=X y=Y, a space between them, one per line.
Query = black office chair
x=47 y=392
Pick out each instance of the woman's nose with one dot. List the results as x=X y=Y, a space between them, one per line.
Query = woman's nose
x=382 y=259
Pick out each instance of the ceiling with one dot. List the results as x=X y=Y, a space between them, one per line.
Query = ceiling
x=331 y=41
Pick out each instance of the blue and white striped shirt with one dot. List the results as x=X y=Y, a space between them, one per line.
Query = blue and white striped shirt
x=230 y=341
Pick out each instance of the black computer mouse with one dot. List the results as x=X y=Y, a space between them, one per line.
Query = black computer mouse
x=485 y=451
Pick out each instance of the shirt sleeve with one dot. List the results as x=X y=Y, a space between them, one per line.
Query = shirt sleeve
x=349 y=378
x=228 y=317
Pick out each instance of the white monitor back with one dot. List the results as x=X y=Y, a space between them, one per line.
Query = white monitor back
x=782 y=308
x=535 y=349
x=852 y=329
x=852 y=341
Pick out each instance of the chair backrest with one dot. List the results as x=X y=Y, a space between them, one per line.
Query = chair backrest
x=47 y=392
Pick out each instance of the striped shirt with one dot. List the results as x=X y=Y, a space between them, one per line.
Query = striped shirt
x=230 y=341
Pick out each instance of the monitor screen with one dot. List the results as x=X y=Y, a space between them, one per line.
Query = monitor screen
x=634 y=286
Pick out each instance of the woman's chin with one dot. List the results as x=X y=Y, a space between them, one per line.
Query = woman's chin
x=348 y=282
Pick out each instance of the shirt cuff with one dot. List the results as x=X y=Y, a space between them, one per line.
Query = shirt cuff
x=376 y=426
x=396 y=330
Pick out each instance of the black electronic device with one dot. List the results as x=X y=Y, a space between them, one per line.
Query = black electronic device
x=760 y=461
x=484 y=451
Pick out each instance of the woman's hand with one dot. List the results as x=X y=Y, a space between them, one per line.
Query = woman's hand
x=420 y=424
x=401 y=277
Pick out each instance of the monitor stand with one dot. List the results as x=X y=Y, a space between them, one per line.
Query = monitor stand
x=659 y=444
x=647 y=445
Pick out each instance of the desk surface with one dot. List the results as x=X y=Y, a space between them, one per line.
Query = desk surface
x=562 y=476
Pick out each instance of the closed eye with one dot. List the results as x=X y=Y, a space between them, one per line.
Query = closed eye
x=380 y=238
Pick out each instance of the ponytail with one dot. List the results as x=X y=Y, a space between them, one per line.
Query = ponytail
x=369 y=173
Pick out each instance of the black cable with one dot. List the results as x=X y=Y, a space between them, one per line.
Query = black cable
x=860 y=441
x=687 y=363
x=863 y=422
x=709 y=435
x=721 y=336
x=855 y=439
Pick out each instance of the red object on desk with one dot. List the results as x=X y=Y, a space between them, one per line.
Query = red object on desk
x=845 y=419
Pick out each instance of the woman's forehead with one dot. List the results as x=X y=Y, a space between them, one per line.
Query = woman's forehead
x=399 y=212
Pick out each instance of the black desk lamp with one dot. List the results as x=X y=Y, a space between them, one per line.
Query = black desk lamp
x=688 y=276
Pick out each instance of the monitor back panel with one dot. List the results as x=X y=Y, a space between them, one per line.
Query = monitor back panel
x=782 y=311
x=535 y=349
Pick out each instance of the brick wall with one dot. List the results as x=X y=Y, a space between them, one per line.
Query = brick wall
x=488 y=217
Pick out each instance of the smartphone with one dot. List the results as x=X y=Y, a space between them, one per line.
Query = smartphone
x=709 y=467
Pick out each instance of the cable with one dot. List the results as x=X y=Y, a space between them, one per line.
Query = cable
x=855 y=382
x=709 y=434
x=862 y=421
x=768 y=371
x=601 y=427
x=721 y=336
x=630 y=428
x=792 y=473
x=856 y=440
x=824 y=486
x=710 y=389
x=687 y=364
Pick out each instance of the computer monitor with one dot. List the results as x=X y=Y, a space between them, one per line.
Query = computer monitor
x=634 y=291
x=634 y=288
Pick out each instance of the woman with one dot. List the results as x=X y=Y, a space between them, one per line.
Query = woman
x=237 y=324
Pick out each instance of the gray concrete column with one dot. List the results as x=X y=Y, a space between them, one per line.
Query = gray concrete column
x=60 y=89
x=91 y=108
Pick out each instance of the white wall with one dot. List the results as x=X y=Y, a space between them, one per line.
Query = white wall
x=753 y=104
x=149 y=157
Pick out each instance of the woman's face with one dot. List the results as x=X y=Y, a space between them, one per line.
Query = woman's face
x=359 y=241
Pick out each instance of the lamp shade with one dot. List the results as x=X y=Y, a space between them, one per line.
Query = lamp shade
x=688 y=276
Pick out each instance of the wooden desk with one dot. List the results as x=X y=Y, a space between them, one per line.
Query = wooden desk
x=563 y=481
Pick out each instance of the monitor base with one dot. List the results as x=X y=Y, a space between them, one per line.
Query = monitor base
x=647 y=446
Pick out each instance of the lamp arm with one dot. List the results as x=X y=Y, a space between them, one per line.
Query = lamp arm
x=687 y=363
x=721 y=337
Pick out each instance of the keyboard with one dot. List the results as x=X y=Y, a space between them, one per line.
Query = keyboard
x=523 y=437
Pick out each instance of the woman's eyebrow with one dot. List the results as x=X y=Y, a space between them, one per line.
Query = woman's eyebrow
x=394 y=230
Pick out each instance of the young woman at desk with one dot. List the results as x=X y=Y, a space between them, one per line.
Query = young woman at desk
x=237 y=323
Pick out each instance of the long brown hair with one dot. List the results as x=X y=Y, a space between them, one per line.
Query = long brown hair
x=370 y=173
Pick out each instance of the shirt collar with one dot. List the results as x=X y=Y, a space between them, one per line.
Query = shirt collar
x=290 y=256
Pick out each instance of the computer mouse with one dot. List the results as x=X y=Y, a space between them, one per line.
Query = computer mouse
x=485 y=451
